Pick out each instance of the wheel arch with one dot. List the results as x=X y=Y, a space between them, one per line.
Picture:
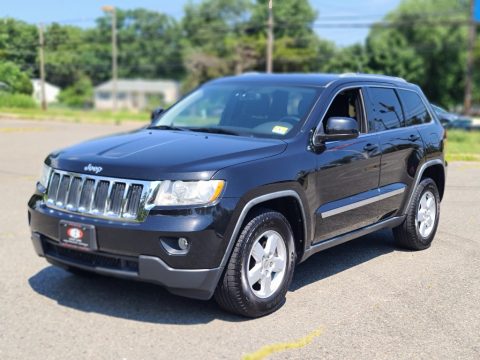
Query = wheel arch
x=287 y=202
x=434 y=169
x=436 y=172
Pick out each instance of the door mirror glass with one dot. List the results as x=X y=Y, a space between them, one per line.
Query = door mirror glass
x=339 y=128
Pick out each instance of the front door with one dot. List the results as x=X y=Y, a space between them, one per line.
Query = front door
x=347 y=173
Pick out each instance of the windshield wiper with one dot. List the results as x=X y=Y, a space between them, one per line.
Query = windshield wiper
x=168 y=127
x=213 y=130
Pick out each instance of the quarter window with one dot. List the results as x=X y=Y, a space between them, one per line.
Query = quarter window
x=384 y=110
x=414 y=108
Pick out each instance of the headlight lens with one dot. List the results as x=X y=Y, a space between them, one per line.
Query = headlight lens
x=45 y=175
x=188 y=192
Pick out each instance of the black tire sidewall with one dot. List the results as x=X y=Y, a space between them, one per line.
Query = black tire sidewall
x=278 y=223
x=426 y=185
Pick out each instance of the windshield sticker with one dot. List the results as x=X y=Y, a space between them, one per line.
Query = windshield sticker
x=282 y=130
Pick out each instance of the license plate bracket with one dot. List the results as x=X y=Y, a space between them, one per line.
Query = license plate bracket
x=77 y=236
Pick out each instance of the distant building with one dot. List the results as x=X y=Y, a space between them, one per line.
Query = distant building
x=51 y=91
x=136 y=94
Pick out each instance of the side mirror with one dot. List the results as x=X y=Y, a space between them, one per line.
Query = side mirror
x=156 y=113
x=338 y=128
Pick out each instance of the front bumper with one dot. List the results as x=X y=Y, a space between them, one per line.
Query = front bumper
x=134 y=250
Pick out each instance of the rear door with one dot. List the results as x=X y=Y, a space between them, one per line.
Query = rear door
x=401 y=145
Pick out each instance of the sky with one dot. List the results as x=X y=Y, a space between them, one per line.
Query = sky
x=82 y=13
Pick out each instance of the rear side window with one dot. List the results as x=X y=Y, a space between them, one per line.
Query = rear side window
x=414 y=108
x=383 y=109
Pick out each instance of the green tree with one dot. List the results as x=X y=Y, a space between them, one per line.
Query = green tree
x=19 y=45
x=427 y=46
x=352 y=58
x=79 y=94
x=17 y=80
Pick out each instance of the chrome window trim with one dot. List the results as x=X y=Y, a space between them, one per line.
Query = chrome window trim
x=361 y=203
x=320 y=124
x=144 y=207
x=361 y=86
x=250 y=204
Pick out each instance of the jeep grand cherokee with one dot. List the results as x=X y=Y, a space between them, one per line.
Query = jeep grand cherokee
x=245 y=177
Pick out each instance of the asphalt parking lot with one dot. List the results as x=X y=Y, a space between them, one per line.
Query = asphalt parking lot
x=365 y=299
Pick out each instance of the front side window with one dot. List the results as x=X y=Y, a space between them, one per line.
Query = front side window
x=414 y=108
x=347 y=103
x=241 y=109
x=383 y=109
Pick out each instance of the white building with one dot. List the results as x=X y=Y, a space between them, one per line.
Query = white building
x=51 y=91
x=136 y=94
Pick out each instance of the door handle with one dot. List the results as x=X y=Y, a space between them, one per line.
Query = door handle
x=413 y=137
x=370 y=147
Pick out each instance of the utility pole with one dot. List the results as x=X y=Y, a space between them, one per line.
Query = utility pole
x=41 y=49
x=467 y=105
x=111 y=9
x=270 y=37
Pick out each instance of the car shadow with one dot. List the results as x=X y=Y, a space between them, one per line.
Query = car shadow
x=150 y=303
x=342 y=257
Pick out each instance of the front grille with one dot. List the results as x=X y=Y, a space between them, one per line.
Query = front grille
x=98 y=196
x=90 y=259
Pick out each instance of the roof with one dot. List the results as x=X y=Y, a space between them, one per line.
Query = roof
x=37 y=82
x=139 y=85
x=319 y=80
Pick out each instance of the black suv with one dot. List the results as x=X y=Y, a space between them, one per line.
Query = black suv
x=226 y=191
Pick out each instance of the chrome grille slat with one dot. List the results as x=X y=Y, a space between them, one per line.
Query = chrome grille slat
x=63 y=191
x=97 y=196
x=116 y=198
x=74 y=193
x=86 y=195
x=53 y=188
x=100 y=199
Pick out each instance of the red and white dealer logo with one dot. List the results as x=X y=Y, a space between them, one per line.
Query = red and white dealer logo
x=75 y=233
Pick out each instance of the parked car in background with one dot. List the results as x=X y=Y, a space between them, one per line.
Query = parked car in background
x=463 y=124
x=445 y=117
x=454 y=121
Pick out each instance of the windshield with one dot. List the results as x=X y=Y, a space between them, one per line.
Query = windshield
x=239 y=109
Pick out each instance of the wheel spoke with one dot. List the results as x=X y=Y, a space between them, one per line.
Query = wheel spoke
x=255 y=274
x=278 y=264
x=266 y=284
x=423 y=228
x=421 y=215
x=258 y=252
x=271 y=244
x=423 y=202
x=429 y=203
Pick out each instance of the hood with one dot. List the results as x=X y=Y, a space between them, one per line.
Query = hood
x=162 y=154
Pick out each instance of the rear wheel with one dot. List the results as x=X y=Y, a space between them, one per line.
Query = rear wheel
x=260 y=269
x=419 y=228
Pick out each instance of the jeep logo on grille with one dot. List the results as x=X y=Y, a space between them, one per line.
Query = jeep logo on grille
x=92 y=168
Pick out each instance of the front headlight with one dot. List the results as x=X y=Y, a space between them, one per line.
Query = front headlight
x=188 y=192
x=45 y=175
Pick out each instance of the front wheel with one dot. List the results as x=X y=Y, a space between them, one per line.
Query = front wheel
x=260 y=269
x=419 y=228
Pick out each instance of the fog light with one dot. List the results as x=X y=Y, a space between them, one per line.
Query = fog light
x=183 y=243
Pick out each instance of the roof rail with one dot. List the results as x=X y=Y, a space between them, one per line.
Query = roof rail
x=251 y=73
x=374 y=76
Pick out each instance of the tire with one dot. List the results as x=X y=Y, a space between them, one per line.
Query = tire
x=237 y=292
x=411 y=234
